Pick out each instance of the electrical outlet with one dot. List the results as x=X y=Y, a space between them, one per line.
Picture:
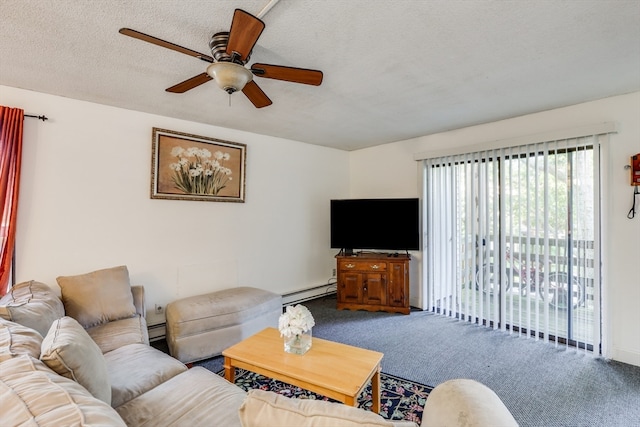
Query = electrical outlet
x=159 y=309
x=334 y=273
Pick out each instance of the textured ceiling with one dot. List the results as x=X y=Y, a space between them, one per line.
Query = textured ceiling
x=393 y=69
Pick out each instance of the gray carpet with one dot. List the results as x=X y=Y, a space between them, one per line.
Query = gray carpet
x=540 y=384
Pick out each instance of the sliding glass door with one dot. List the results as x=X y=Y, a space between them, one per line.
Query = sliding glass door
x=512 y=239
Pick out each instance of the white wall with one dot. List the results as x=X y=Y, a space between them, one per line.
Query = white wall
x=389 y=171
x=85 y=205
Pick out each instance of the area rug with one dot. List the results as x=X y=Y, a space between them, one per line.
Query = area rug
x=400 y=399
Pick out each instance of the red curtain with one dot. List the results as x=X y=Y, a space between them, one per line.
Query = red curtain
x=11 y=121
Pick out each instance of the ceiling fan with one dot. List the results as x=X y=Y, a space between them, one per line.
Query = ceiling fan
x=230 y=52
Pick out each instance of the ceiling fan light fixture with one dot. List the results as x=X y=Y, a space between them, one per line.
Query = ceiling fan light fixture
x=228 y=76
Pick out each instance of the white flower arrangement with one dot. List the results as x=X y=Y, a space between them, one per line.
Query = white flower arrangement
x=295 y=320
x=197 y=173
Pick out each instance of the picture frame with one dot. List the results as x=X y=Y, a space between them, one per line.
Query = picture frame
x=192 y=167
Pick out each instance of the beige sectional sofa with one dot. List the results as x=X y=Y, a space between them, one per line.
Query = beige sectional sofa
x=97 y=368
x=84 y=359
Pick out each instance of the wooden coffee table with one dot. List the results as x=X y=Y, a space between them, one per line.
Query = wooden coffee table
x=329 y=368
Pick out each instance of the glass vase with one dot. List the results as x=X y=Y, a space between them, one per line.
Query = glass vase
x=298 y=344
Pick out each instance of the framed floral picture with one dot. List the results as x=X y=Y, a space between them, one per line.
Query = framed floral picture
x=191 y=167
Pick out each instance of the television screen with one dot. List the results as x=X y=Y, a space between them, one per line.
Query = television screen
x=382 y=224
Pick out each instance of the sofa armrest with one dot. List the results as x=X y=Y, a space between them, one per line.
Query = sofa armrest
x=138 y=300
x=465 y=402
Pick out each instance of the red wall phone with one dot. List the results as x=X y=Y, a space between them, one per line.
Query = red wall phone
x=635 y=169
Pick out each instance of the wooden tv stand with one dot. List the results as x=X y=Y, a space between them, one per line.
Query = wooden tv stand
x=373 y=282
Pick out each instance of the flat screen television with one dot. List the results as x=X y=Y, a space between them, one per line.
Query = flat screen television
x=378 y=224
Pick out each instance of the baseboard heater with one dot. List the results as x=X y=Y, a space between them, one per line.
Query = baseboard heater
x=157 y=331
x=307 y=294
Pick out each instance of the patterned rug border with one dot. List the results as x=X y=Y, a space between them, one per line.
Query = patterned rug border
x=400 y=398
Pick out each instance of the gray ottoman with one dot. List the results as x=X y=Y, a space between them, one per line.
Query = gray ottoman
x=203 y=326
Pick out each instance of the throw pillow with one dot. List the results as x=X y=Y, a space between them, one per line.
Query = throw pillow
x=16 y=339
x=70 y=351
x=32 y=304
x=266 y=409
x=31 y=394
x=98 y=297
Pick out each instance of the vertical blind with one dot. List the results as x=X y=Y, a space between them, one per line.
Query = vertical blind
x=512 y=239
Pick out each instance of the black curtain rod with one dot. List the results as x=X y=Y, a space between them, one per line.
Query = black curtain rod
x=43 y=118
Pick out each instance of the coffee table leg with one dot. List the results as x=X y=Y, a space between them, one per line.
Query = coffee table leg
x=375 y=391
x=229 y=370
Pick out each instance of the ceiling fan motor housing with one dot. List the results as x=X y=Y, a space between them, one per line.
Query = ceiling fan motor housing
x=218 y=46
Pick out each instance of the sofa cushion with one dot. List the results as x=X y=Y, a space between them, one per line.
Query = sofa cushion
x=137 y=368
x=98 y=297
x=33 y=395
x=16 y=339
x=266 y=409
x=195 y=398
x=115 y=334
x=70 y=351
x=32 y=304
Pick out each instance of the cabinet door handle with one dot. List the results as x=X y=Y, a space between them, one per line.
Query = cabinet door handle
x=349 y=265
x=375 y=267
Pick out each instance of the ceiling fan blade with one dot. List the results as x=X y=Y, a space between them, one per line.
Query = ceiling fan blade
x=289 y=74
x=256 y=95
x=190 y=83
x=244 y=33
x=154 y=40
